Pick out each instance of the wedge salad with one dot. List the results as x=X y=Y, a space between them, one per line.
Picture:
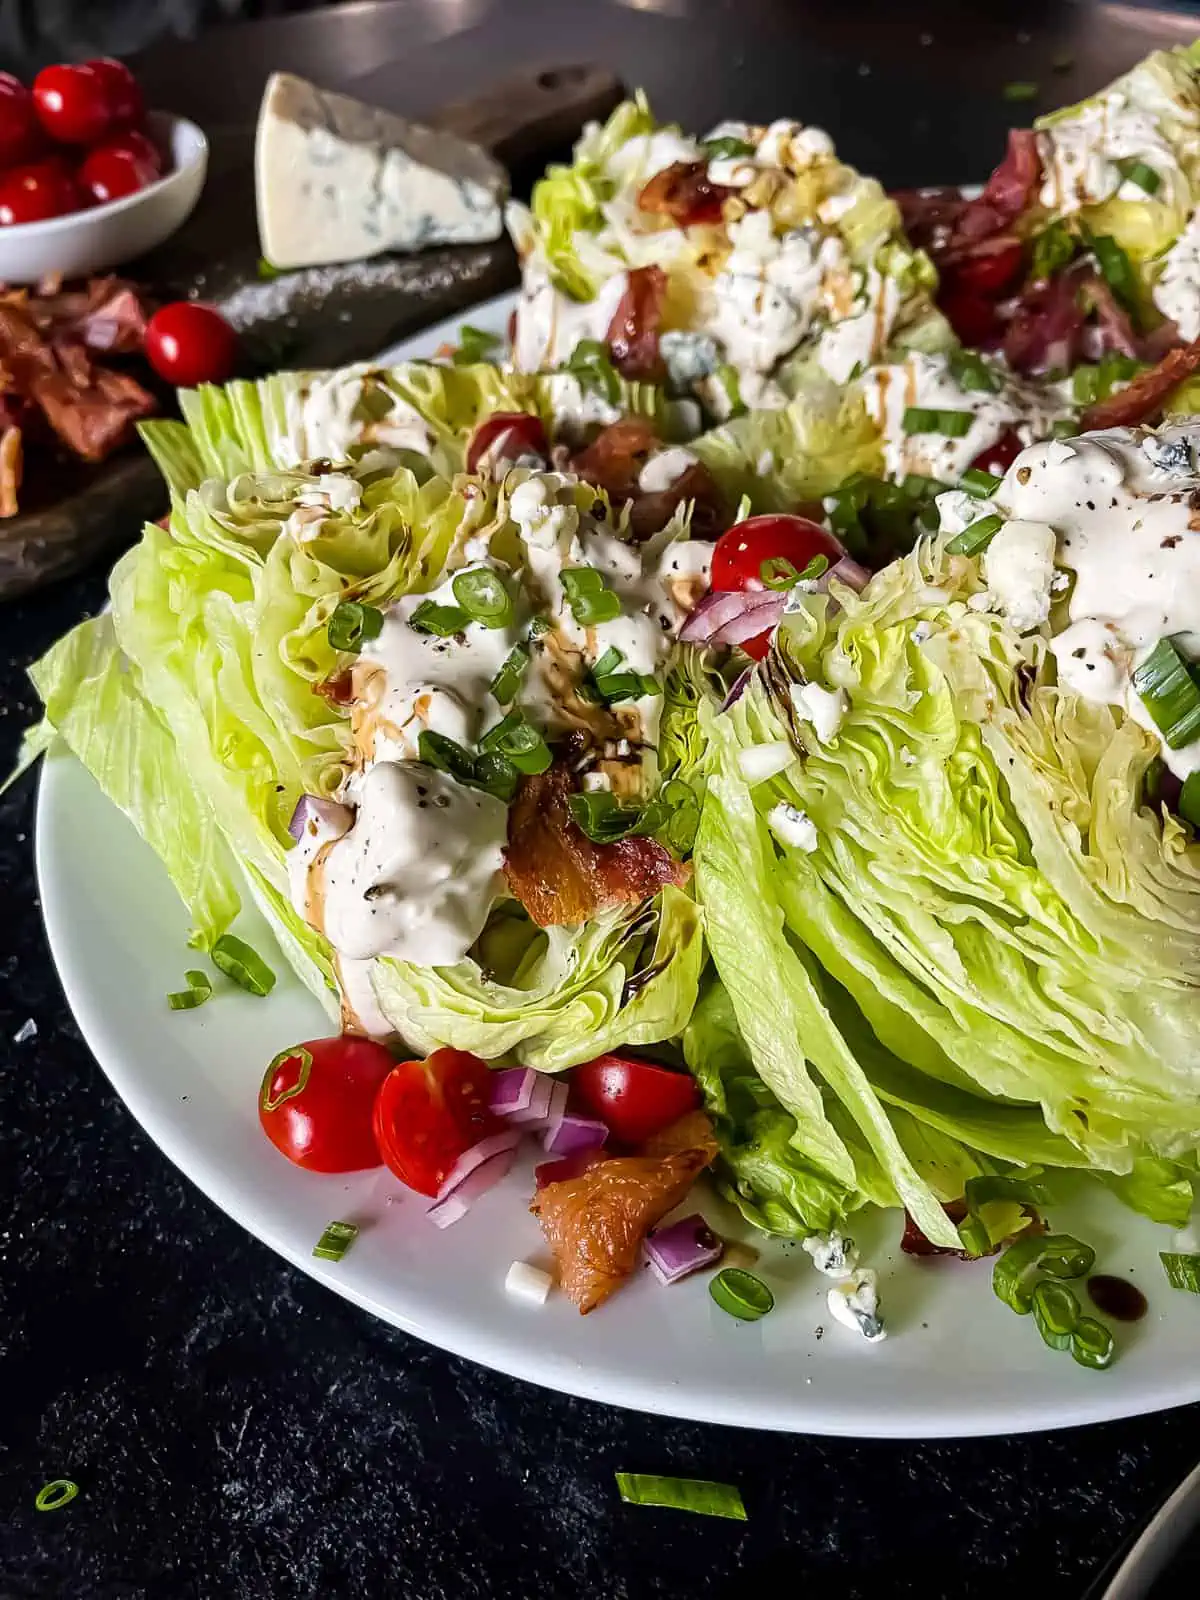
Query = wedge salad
x=750 y=723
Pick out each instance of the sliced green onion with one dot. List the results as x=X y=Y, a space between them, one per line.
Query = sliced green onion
x=1189 y=799
x=352 y=624
x=673 y=816
x=539 y=626
x=597 y=814
x=1020 y=91
x=977 y=537
x=60 y=1492
x=1056 y=1253
x=431 y=617
x=445 y=755
x=980 y=483
x=474 y=344
x=335 y=1241
x=1115 y=269
x=1169 y=693
x=496 y=775
x=1056 y=1313
x=950 y=424
x=1092 y=1344
x=591 y=363
x=483 y=597
x=617 y=686
x=199 y=988
x=608 y=662
x=741 y=1294
x=507 y=682
x=589 y=600
x=1138 y=172
x=972 y=372
x=682 y=1494
x=266 y=271
x=1053 y=248
x=991 y=1189
x=519 y=742
x=235 y=958
x=726 y=149
x=1183 y=1271
x=777 y=572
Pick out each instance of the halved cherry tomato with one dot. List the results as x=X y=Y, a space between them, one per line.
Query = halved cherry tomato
x=113 y=170
x=997 y=458
x=525 y=437
x=188 y=343
x=37 y=192
x=126 y=107
x=633 y=1099
x=428 y=1113
x=317 y=1100
x=739 y=555
x=20 y=132
x=73 y=103
x=990 y=268
x=972 y=316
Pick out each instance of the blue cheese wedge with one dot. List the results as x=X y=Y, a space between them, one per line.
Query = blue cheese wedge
x=338 y=180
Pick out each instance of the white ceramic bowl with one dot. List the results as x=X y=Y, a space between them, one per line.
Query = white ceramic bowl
x=106 y=236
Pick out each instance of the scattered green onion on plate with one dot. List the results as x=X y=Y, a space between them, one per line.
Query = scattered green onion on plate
x=199 y=989
x=54 y=1495
x=335 y=1241
x=741 y=1294
x=698 y=1495
x=235 y=958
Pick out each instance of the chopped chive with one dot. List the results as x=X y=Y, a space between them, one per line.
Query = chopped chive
x=507 y=682
x=698 y=1495
x=199 y=988
x=741 y=1294
x=608 y=662
x=1140 y=173
x=777 y=572
x=726 y=149
x=495 y=775
x=589 y=600
x=335 y=1241
x=924 y=419
x=1170 y=694
x=445 y=755
x=444 y=621
x=601 y=817
x=977 y=537
x=980 y=483
x=1020 y=91
x=482 y=595
x=618 y=686
x=352 y=624
x=54 y=1495
x=1059 y=1254
x=1092 y=1344
x=1055 y=1312
x=474 y=344
x=237 y=960
x=591 y=363
x=1183 y=1271
x=519 y=742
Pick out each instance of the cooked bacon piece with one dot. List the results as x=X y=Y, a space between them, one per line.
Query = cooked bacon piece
x=930 y=216
x=10 y=470
x=555 y=870
x=953 y=229
x=1047 y=327
x=683 y=192
x=595 y=1223
x=106 y=314
x=614 y=461
x=1113 y=329
x=1145 y=397
x=633 y=332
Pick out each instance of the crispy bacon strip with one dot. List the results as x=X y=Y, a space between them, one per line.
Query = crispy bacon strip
x=952 y=228
x=614 y=461
x=555 y=870
x=633 y=332
x=1145 y=397
x=595 y=1223
x=683 y=192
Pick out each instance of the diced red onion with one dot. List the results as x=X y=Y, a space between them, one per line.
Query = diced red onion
x=566 y=1168
x=753 y=620
x=326 y=813
x=574 y=1134
x=511 y=1090
x=707 y=622
x=850 y=572
x=455 y=1205
x=737 y=689
x=555 y=1111
x=683 y=1247
x=539 y=1103
x=495 y=1144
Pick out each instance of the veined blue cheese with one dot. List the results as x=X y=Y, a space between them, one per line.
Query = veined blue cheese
x=337 y=180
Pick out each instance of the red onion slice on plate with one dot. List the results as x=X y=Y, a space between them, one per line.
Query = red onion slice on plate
x=575 y=1134
x=511 y=1090
x=459 y=1201
x=683 y=1247
x=506 y=1141
x=538 y=1108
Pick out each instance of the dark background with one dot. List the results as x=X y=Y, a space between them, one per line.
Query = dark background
x=235 y=1430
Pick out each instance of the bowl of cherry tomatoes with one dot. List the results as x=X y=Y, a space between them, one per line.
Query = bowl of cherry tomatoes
x=88 y=178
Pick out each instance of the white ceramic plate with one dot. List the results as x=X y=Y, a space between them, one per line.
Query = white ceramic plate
x=956 y=1362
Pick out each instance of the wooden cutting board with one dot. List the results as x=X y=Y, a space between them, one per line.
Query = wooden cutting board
x=316 y=317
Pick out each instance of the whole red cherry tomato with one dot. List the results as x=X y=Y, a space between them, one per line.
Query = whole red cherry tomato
x=521 y=432
x=73 y=104
x=634 y=1099
x=428 y=1113
x=317 y=1099
x=20 y=132
x=113 y=170
x=740 y=553
x=189 y=343
x=36 y=192
x=126 y=107
x=139 y=146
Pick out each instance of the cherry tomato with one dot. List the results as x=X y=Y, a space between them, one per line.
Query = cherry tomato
x=633 y=1099
x=317 y=1099
x=997 y=458
x=526 y=436
x=739 y=555
x=972 y=316
x=188 y=343
x=111 y=171
x=36 y=192
x=990 y=270
x=20 y=132
x=126 y=107
x=427 y=1113
x=73 y=104
x=139 y=146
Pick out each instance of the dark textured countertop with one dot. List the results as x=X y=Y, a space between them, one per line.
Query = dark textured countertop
x=238 y=1432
